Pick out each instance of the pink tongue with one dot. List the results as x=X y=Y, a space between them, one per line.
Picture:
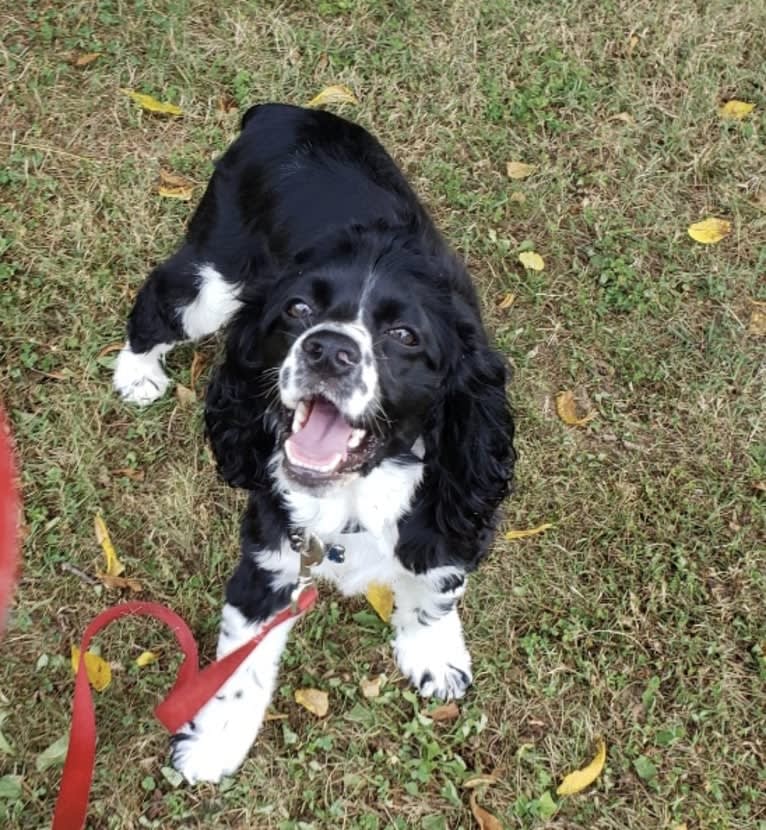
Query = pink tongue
x=324 y=435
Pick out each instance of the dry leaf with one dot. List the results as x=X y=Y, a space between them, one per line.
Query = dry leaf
x=518 y=197
x=226 y=104
x=519 y=170
x=129 y=472
x=185 y=395
x=174 y=186
x=120 y=582
x=98 y=670
x=198 y=365
x=524 y=534
x=171 y=179
x=447 y=711
x=150 y=104
x=566 y=408
x=709 y=231
x=484 y=819
x=336 y=94
x=83 y=59
x=315 y=701
x=112 y=347
x=735 y=110
x=760 y=486
x=146 y=658
x=479 y=781
x=113 y=565
x=681 y=826
x=757 y=324
x=582 y=778
x=381 y=599
x=531 y=260
x=183 y=194
x=371 y=688
x=506 y=301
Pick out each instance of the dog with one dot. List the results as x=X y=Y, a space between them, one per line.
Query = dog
x=358 y=401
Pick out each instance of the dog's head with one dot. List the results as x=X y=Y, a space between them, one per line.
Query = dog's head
x=367 y=346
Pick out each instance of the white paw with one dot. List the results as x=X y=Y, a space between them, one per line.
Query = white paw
x=139 y=378
x=434 y=657
x=217 y=741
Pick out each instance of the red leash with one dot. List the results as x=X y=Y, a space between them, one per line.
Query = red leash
x=192 y=689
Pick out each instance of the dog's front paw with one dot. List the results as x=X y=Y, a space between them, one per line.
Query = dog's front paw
x=435 y=659
x=139 y=378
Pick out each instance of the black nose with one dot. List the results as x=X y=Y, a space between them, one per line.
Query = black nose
x=331 y=352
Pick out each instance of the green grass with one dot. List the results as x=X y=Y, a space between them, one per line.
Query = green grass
x=638 y=617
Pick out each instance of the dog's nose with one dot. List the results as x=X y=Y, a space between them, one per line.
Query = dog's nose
x=331 y=352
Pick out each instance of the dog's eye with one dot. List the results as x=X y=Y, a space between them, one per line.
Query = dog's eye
x=298 y=309
x=403 y=335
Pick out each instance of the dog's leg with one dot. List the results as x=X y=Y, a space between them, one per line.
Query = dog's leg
x=182 y=299
x=429 y=645
x=217 y=741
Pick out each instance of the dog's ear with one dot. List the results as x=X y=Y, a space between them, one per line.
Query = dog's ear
x=469 y=461
x=239 y=421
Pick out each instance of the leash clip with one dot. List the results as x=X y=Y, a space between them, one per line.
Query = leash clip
x=312 y=551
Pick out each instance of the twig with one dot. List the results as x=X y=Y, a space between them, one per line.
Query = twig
x=73 y=569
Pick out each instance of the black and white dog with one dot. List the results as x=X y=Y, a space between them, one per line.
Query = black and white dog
x=358 y=401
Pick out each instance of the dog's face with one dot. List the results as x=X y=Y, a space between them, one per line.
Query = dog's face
x=359 y=351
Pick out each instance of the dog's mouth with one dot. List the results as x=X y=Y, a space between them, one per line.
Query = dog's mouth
x=321 y=444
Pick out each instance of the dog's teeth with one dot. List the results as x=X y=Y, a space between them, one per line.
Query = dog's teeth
x=301 y=415
x=357 y=436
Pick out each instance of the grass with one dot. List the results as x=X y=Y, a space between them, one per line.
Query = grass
x=639 y=616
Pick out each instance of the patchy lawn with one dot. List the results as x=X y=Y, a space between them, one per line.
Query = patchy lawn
x=638 y=617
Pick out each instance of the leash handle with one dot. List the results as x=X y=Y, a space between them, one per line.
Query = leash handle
x=191 y=690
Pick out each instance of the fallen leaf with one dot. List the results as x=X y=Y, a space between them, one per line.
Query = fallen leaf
x=519 y=170
x=371 y=688
x=98 y=670
x=314 y=700
x=518 y=197
x=532 y=260
x=112 y=347
x=381 y=599
x=146 y=658
x=760 y=486
x=113 y=565
x=681 y=826
x=226 y=104
x=83 y=59
x=566 y=408
x=709 y=231
x=484 y=819
x=336 y=94
x=150 y=104
x=171 y=179
x=445 y=712
x=185 y=395
x=735 y=110
x=275 y=716
x=174 y=186
x=129 y=472
x=183 y=194
x=479 y=781
x=524 y=534
x=582 y=778
x=52 y=756
x=757 y=324
x=197 y=367
x=120 y=582
x=506 y=301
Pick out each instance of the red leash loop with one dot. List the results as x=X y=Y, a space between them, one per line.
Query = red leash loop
x=192 y=689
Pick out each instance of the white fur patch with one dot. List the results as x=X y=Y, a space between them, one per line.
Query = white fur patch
x=214 y=305
x=140 y=378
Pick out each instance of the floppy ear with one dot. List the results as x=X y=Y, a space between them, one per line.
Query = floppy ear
x=240 y=424
x=469 y=460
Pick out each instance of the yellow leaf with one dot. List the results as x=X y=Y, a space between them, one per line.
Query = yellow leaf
x=183 y=194
x=484 y=819
x=113 y=565
x=447 y=711
x=150 y=104
x=506 y=301
x=98 y=670
x=315 y=701
x=371 y=688
x=582 y=778
x=146 y=658
x=757 y=325
x=736 y=110
x=567 y=410
x=519 y=170
x=336 y=94
x=531 y=260
x=381 y=599
x=185 y=395
x=709 y=231
x=524 y=534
